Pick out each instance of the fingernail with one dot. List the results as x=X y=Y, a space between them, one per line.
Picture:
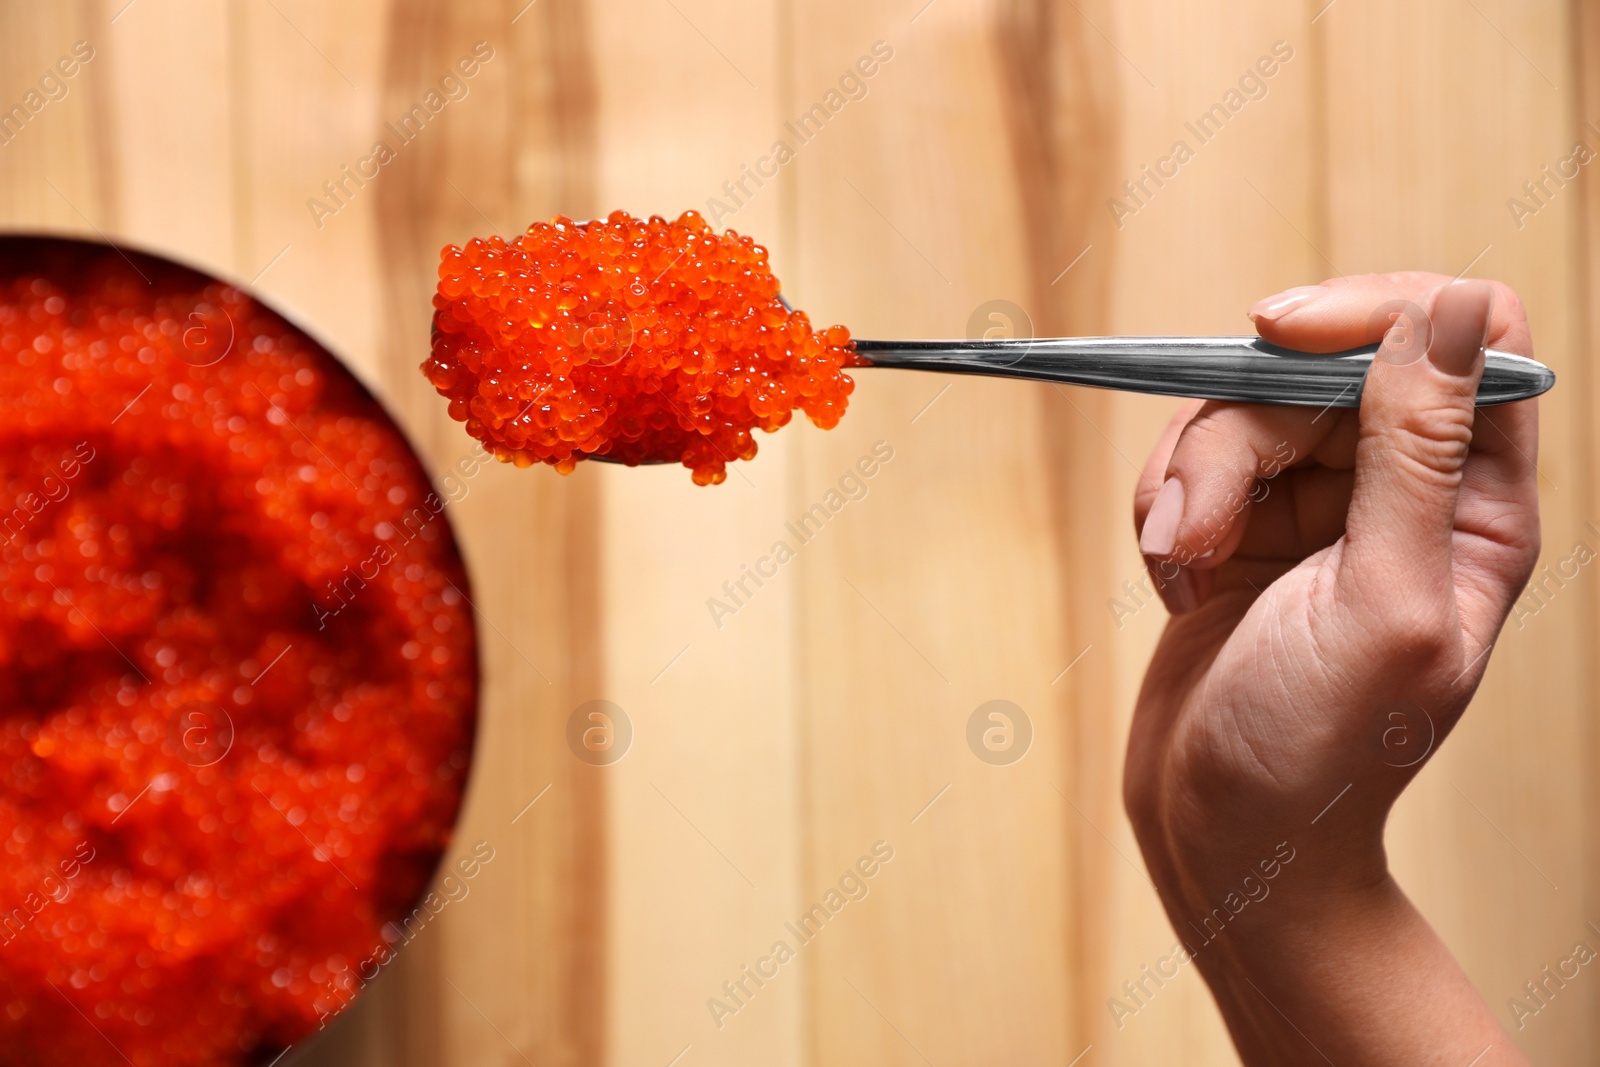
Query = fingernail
x=1460 y=326
x=1180 y=594
x=1160 y=531
x=1275 y=307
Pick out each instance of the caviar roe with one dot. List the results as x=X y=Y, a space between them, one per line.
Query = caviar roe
x=640 y=341
x=237 y=670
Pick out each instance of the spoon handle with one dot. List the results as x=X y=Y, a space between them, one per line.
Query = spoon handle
x=1213 y=368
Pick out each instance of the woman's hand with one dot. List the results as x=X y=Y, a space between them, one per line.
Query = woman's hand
x=1337 y=580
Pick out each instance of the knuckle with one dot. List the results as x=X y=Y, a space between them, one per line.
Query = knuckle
x=1433 y=440
x=1411 y=638
x=1186 y=412
x=1217 y=435
x=1205 y=428
x=1515 y=530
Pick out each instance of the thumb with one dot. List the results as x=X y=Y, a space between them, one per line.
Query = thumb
x=1417 y=412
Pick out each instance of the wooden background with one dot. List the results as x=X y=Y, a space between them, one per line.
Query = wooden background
x=988 y=555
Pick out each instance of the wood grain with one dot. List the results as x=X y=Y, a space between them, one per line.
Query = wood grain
x=966 y=185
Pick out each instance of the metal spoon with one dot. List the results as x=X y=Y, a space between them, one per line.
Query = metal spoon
x=1245 y=369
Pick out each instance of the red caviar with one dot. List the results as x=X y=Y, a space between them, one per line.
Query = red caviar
x=238 y=673
x=643 y=341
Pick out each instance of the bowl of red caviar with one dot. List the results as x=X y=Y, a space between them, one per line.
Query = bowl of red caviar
x=238 y=669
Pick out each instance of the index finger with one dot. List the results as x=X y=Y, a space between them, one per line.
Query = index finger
x=1344 y=313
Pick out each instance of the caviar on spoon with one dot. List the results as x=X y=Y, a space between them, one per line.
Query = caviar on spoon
x=648 y=341
x=640 y=341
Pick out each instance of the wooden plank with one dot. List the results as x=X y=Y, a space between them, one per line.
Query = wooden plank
x=50 y=179
x=941 y=590
x=1502 y=799
x=705 y=832
x=1581 y=1015
x=520 y=973
x=216 y=163
x=1185 y=253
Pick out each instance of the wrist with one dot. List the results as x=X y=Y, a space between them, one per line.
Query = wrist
x=1308 y=867
x=1349 y=969
x=1278 y=975
x=1245 y=916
